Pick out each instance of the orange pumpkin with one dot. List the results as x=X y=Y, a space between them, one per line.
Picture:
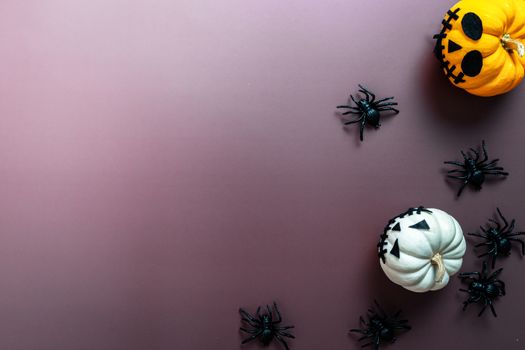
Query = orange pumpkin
x=481 y=45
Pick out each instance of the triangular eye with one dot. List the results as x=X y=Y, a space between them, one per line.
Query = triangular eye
x=452 y=46
x=396 y=227
x=422 y=225
x=395 y=249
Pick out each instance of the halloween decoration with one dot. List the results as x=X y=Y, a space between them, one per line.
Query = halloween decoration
x=483 y=288
x=421 y=248
x=473 y=170
x=499 y=239
x=264 y=328
x=369 y=110
x=380 y=327
x=481 y=45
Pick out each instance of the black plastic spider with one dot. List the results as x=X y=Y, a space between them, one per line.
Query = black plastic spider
x=473 y=170
x=380 y=327
x=498 y=238
x=369 y=109
x=483 y=288
x=264 y=327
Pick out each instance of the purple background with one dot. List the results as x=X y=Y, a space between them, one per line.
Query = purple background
x=165 y=162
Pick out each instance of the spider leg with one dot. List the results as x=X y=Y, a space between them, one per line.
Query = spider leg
x=464 y=155
x=489 y=164
x=476 y=235
x=279 y=318
x=388 y=109
x=516 y=234
x=365 y=345
x=491 y=168
x=511 y=227
x=286 y=334
x=362 y=128
x=353 y=121
x=495 y=223
x=476 y=153
x=492 y=308
x=461 y=188
x=269 y=311
x=348 y=107
x=483 y=243
x=496 y=172
x=483 y=309
x=468 y=274
x=282 y=341
x=485 y=155
x=359 y=331
x=368 y=98
x=489 y=252
x=386 y=104
x=457 y=177
x=248 y=318
x=521 y=242
x=251 y=323
x=454 y=163
x=364 y=337
x=457 y=171
x=253 y=337
x=350 y=112
x=501 y=285
x=381 y=311
x=367 y=92
x=362 y=321
x=384 y=99
x=283 y=328
x=494 y=257
x=404 y=326
x=250 y=331
x=466 y=304
x=484 y=271
x=376 y=345
x=352 y=97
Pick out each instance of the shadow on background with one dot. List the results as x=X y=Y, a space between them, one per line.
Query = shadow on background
x=393 y=297
x=450 y=104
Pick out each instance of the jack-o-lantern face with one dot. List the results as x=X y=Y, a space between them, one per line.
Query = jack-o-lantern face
x=481 y=45
x=421 y=248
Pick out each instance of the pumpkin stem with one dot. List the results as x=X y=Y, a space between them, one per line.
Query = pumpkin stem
x=437 y=259
x=513 y=44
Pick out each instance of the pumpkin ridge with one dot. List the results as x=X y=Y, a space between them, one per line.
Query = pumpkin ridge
x=424 y=241
x=447 y=248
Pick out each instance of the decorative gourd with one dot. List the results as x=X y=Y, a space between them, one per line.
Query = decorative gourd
x=421 y=248
x=481 y=45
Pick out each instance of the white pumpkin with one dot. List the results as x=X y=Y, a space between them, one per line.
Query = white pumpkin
x=421 y=248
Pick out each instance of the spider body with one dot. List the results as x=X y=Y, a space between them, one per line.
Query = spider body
x=264 y=328
x=473 y=170
x=499 y=239
x=380 y=327
x=483 y=288
x=368 y=110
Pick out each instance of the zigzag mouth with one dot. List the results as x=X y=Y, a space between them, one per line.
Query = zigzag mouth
x=438 y=49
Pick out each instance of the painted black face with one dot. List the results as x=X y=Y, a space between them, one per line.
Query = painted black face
x=472 y=26
x=472 y=62
x=395 y=249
